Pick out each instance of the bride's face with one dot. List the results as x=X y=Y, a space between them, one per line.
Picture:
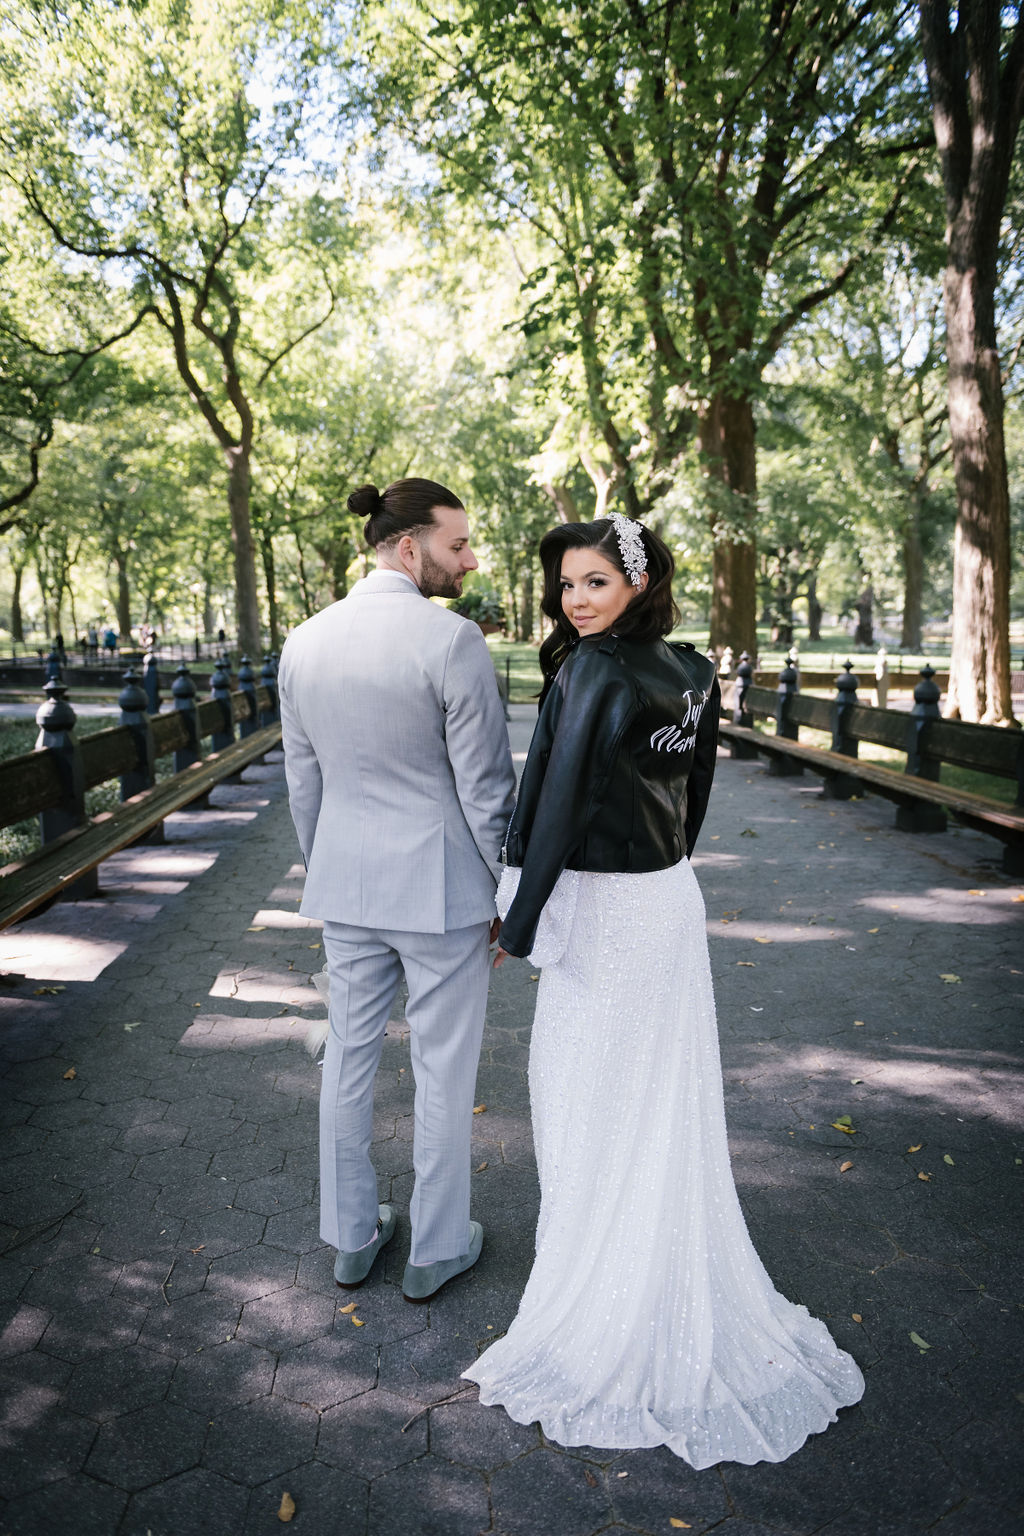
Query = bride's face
x=594 y=593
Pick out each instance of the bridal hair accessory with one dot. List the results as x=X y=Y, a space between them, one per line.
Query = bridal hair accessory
x=631 y=547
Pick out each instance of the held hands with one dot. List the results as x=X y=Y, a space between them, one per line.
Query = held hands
x=501 y=955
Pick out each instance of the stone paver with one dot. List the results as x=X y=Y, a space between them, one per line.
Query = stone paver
x=174 y=1354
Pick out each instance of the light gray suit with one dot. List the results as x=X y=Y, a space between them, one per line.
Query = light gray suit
x=401 y=785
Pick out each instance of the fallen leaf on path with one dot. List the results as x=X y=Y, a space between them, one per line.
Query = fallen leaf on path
x=680 y=1525
x=590 y=1478
x=856 y=1317
x=47 y=991
x=257 y=928
x=133 y=1025
x=749 y=832
x=925 y=1178
x=856 y=1080
x=845 y=1124
x=845 y=1167
x=746 y=962
x=1020 y=897
x=481 y=1168
x=915 y=1338
x=70 y=1074
x=350 y=1308
x=199 y=1249
x=916 y=1148
x=947 y=1159
x=948 y=978
x=357 y=1322
x=479 y=1109
x=977 y=893
x=764 y=941
x=286 y=1509
x=535 y=978
x=874 y=930
x=858 y=1023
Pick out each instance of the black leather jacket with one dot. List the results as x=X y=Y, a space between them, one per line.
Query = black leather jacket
x=619 y=769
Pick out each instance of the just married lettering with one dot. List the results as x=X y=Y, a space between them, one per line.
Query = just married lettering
x=681 y=737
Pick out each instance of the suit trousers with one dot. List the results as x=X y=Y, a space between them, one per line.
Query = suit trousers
x=447 y=976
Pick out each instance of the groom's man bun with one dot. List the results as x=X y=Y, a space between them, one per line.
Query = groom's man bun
x=404 y=507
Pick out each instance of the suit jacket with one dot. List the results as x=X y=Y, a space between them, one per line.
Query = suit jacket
x=399 y=772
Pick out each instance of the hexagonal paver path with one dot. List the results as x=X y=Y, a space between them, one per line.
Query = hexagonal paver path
x=175 y=1356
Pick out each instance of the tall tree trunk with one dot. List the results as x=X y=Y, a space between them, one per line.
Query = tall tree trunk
x=308 y=603
x=247 y=608
x=865 y=605
x=17 y=617
x=913 y=577
x=527 y=609
x=979 y=669
x=124 y=605
x=564 y=501
x=270 y=581
x=975 y=60
x=338 y=558
x=726 y=436
x=813 y=608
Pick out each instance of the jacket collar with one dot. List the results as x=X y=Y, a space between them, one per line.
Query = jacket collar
x=385 y=581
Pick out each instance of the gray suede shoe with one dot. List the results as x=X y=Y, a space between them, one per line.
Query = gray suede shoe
x=422 y=1281
x=351 y=1269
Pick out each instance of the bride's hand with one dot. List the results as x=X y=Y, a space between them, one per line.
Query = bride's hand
x=500 y=957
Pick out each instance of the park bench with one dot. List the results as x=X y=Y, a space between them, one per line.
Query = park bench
x=51 y=781
x=923 y=802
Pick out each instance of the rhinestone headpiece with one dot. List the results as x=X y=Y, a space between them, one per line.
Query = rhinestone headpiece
x=631 y=547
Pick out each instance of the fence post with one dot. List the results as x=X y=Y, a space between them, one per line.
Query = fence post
x=183 y=690
x=843 y=786
x=135 y=716
x=785 y=725
x=268 y=680
x=922 y=816
x=151 y=682
x=247 y=684
x=220 y=690
x=56 y=722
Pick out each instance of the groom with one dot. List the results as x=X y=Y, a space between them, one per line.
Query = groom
x=400 y=783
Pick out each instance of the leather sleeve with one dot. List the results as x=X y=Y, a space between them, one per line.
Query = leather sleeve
x=598 y=706
x=702 y=771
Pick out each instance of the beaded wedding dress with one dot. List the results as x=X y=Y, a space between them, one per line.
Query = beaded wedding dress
x=648 y=1318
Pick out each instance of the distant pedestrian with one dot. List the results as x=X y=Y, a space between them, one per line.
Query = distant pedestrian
x=92 y=642
x=110 y=641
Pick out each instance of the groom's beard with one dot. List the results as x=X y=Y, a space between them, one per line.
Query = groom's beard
x=435 y=581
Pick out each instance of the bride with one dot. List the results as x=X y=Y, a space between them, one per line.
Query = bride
x=648 y=1318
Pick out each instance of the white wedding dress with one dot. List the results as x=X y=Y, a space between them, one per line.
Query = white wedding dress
x=648 y=1318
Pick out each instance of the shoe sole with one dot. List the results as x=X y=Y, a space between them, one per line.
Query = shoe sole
x=354 y=1285
x=418 y=1301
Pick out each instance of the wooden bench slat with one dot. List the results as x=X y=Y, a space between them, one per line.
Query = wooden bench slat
x=888 y=781
x=26 y=885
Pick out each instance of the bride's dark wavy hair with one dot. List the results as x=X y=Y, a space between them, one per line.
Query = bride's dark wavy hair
x=651 y=614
